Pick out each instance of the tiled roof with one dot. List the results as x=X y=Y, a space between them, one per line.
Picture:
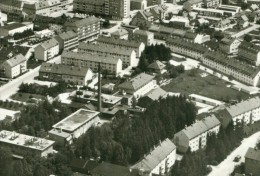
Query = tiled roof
x=120 y=42
x=137 y=82
x=105 y=48
x=232 y=63
x=90 y=57
x=244 y=106
x=49 y=44
x=228 y=41
x=16 y=60
x=63 y=69
x=253 y=154
x=68 y=35
x=150 y=161
x=157 y=65
x=211 y=121
x=13 y=26
x=155 y=94
x=83 y=22
x=250 y=47
x=186 y=44
x=120 y=32
x=141 y=32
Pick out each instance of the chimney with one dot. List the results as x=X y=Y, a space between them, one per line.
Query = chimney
x=99 y=88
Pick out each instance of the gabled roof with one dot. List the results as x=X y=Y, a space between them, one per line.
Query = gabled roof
x=244 y=106
x=49 y=44
x=120 y=32
x=253 y=154
x=155 y=94
x=157 y=65
x=83 y=164
x=137 y=82
x=150 y=161
x=63 y=69
x=211 y=121
x=82 y=22
x=108 y=169
x=120 y=42
x=68 y=35
x=16 y=60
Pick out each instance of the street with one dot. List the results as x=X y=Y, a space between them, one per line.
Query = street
x=12 y=87
x=226 y=167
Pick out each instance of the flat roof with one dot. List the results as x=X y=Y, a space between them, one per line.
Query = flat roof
x=76 y=119
x=25 y=140
x=207 y=99
x=7 y=112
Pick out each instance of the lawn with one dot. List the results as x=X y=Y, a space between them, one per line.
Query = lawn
x=26 y=97
x=209 y=86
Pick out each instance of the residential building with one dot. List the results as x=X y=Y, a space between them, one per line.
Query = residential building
x=205 y=100
x=22 y=144
x=13 y=66
x=67 y=73
x=247 y=111
x=242 y=21
x=232 y=67
x=120 y=34
x=12 y=28
x=73 y=126
x=143 y=36
x=159 y=161
x=179 y=21
x=44 y=33
x=87 y=28
x=252 y=161
x=225 y=23
x=229 y=45
x=156 y=67
x=184 y=47
x=137 y=46
x=194 y=136
x=10 y=6
x=47 y=50
x=155 y=94
x=189 y=5
x=127 y=55
x=154 y=2
x=67 y=40
x=163 y=32
x=8 y=116
x=249 y=52
x=108 y=169
x=139 y=85
x=201 y=38
x=138 y=4
x=110 y=65
x=42 y=7
x=117 y=9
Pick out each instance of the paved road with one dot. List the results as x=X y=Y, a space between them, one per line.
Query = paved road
x=226 y=167
x=12 y=87
x=241 y=33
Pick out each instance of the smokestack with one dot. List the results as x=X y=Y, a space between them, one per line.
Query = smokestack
x=99 y=88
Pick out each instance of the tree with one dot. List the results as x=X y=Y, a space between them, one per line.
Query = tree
x=5 y=161
x=106 y=23
x=248 y=38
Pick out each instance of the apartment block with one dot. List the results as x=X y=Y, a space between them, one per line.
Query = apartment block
x=249 y=52
x=8 y=6
x=86 y=29
x=229 y=45
x=127 y=55
x=194 y=137
x=145 y=37
x=47 y=50
x=69 y=74
x=21 y=144
x=110 y=65
x=67 y=40
x=137 y=46
x=12 y=28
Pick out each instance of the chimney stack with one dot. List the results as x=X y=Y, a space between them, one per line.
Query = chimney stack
x=99 y=88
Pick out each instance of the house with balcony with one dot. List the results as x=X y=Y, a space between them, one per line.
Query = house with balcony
x=47 y=50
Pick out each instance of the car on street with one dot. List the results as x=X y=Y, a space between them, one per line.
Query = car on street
x=237 y=158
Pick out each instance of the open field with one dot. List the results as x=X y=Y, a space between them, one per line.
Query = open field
x=210 y=86
x=26 y=97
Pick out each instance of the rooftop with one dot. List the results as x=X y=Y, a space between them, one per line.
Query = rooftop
x=49 y=44
x=253 y=154
x=244 y=106
x=24 y=140
x=157 y=65
x=75 y=120
x=151 y=160
x=82 y=22
x=137 y=82
x=155 y=94
x=90 y=57
x=113 y=41
x=16 y=60
x=63 y=69
x=13 y=26
x=68 y=35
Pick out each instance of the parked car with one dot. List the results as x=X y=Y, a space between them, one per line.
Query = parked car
x=237 y=158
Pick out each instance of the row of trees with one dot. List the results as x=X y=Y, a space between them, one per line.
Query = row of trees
x=24 y=34
x=217 y=149
x=126 y=140
x=52 y=91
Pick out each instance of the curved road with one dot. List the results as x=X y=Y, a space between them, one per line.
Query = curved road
x=12 y=87
x=226 y=167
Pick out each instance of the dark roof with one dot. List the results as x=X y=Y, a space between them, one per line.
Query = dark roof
x=63 y=69
x=120 y=42
x=83 y=165
x=16 y=60
x=108 y=169
x=157 y=65
x=250 y=47
x=13 y=26
x=253 y=154
x=10 y=50
x=82 y=22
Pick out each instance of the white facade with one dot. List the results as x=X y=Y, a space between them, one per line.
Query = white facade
x=145 y=89
x=47 y=50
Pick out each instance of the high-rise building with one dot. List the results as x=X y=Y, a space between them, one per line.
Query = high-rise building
x=119 y=8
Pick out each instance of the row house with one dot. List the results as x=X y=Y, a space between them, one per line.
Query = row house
x=13 y=66
x=47 y=50
x=247 y=111
x=86 y=29
x=184 y=47
x=67 y=40
x=109 y=64
x=194 y=137
x=159 y=161
x=249 y=53
x=232 y=67
x=229 y=45
x=127 y=55
x=139 y=85
x=69 y=74
x=130 y=44
x=21 y=144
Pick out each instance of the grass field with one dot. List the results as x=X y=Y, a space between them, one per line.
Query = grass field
x=26 y=97
x=209 y=86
